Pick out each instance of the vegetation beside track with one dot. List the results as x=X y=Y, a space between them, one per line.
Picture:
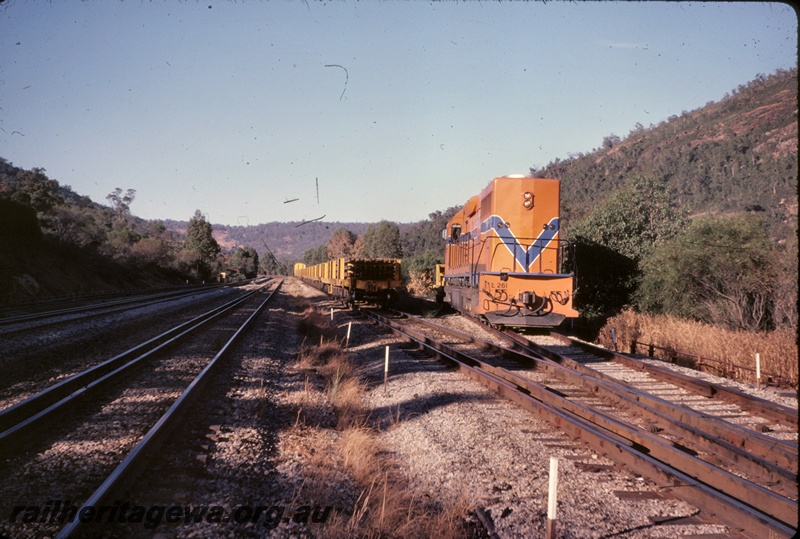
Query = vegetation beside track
x=336 y=434
x=777 y=349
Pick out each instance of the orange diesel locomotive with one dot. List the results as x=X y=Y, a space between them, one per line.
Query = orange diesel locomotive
x=503 y=255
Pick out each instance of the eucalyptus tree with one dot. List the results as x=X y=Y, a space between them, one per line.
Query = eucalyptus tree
x=200 y=250
x=383 y=241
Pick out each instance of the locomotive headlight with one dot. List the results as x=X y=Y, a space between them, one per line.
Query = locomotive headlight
x=527 y=200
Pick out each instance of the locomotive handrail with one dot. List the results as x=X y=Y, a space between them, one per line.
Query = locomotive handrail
x=518 y=274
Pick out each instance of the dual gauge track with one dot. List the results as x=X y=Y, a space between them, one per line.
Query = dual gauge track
x=739 y=477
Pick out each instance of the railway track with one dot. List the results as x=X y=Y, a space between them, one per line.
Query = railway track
x=58 y=303
x=740 y=477
x=35 y=357
x=16 y=323
x=222 y=460
x=106 y=422
x=78 y=300
x=583 y=352
x=697 y=418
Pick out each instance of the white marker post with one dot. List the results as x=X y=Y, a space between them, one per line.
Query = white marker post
x=551 y=499
x=331 y=313
x=386 y=369
x=758 y=371
x=614 y=338
x=347 y=341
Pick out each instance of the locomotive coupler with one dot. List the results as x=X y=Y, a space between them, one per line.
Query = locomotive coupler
x=532 y=301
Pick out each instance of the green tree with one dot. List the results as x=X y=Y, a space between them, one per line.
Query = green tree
x=19 y=226
x=272 y=266
x=120 y=239
x=720 y=270
x=245 y=261
x=152 y=251
x=424 y=236
x=424 y=262
x=786 y=284
x=634 y=219
x=383 y=241
x=202 y=248
x=36 y=190
x=121 y=203
x=605 y=279
x=419 y=271
x=76 y=225
x=315 y=255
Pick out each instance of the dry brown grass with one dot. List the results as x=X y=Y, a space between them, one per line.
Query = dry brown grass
x=421 y=283
x=315 y=326
x=316 y=355
x=778 y=349
x=359 y=448
x=342 y=381
x=324 y=480
x=384 y=508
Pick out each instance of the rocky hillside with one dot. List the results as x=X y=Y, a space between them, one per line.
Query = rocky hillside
x=737 y=154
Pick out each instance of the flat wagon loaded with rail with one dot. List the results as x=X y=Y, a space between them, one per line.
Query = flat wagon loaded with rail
x=354 y=279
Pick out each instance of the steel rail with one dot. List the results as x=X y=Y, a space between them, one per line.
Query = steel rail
x=632 y=452
x=778 y=468
x=31 y=306
x=734 y=441
x=781 y=414
x=749 y=451
x=137 y=457
x=749 y=491
x=21 y=419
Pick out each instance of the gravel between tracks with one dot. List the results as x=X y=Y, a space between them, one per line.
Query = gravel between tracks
x=73 y=457
x=783 y=397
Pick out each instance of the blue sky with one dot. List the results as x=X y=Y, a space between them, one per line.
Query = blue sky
x=396 y=109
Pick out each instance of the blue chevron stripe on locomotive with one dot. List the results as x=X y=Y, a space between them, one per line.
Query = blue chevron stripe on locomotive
x=524 y=257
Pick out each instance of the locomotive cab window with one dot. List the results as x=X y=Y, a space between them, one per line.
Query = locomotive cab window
x=455 y=232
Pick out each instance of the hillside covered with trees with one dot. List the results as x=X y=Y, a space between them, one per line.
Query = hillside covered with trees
x=55 y=242
x=287 y=241
x=735 y=155
x=695 y=217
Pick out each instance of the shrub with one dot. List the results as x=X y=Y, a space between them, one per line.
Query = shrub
x=778 y=349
